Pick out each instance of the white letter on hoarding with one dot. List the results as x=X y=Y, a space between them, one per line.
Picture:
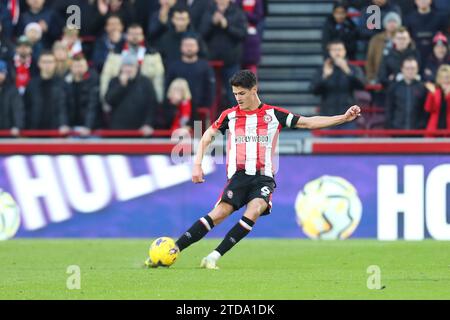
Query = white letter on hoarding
x=128 y=187
x=96 y=176
x=437 y=202
x=29 y=189
x=390 y=202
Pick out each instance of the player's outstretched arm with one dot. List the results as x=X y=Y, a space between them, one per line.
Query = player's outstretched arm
x=319 y=122
x=205 y=141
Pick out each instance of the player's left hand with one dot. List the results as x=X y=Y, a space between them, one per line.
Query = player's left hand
x=352 y=113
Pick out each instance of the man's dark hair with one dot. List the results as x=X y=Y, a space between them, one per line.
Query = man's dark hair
x=180 y=8
x=191 y=35
x=408 y=59
x=244 y=78
x=335 y=42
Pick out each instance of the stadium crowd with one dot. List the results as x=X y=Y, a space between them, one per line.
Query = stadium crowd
x=146 y=65
x=405 y=60
x=132 y=65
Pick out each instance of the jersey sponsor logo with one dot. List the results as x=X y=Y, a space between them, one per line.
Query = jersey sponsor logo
x=267 y=118
x=258 y=139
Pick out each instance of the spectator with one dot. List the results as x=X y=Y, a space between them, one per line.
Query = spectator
x=381 y=44
x=132 y=98
x=391 y=63
x=150 y=62
x=339 y=27
x=366 y=30
x=439 y=57
x=406 y=98
x=111 y=42
x=177 y=105
x=45 y=98
x=71 y=40
x=438 y=100
x=63 y=61
x=159 y=20
x=196 y=71
x=24 y=64
x=336 y=82
x=33 y=32
x=11 y=104
x=170 y=42
x=50 y=25
x=196 y=9
x=122 y=8
x=83 y=96
x=254 y=10
x=6 y=48
x=224 y=28
x=423 y=24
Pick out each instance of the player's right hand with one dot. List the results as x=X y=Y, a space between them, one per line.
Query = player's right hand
x=197 y=174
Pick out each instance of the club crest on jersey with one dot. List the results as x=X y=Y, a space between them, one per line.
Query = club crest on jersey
x=230 y=194
x=267 y=118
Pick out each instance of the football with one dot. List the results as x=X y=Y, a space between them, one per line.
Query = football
x=328 y=208
x=9 y=216
x=163 y=252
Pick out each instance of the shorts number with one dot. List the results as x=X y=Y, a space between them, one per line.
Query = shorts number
x=265 y=191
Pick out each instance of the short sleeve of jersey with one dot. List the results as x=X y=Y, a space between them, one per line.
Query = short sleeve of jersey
x=286 y=118
x=221 y=124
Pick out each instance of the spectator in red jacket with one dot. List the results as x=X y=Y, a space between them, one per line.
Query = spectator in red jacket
x=24 y=65
x=438 y=100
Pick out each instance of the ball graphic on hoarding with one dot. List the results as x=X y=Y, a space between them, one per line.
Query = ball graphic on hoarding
x=9 y=216
x=328 y=208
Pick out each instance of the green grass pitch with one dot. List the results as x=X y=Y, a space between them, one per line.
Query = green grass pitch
x=254 y=269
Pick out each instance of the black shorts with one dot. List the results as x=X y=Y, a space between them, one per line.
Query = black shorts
x=243 y=188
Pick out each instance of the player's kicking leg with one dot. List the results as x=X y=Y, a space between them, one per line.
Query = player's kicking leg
x=200 y=228
x=255 y=208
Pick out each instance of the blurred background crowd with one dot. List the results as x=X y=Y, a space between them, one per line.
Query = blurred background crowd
x=149 y=64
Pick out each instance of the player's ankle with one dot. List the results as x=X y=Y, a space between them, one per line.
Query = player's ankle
x=214 y=255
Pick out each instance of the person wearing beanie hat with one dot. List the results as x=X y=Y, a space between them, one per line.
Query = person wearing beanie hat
x=132 y=98
x=380 y=44
x=439 y=57
x=33 y=32
x=11 y=104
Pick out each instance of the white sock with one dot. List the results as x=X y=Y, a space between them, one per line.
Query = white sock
x=214 y=255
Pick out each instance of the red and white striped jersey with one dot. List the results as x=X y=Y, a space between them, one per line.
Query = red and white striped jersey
x=253 y=137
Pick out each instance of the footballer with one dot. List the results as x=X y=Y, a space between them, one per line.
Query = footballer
x=253 y=129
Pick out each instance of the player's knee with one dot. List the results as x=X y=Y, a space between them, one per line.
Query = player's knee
x=254 y=211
